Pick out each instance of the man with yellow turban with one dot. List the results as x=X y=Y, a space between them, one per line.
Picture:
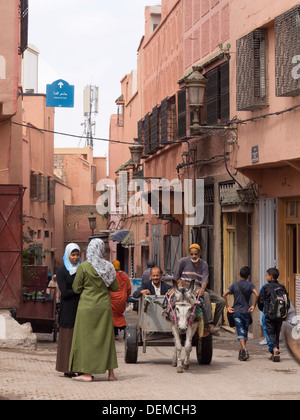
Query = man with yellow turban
x=194 y=268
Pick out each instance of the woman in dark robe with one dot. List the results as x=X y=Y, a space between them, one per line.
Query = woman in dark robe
x=68 y=307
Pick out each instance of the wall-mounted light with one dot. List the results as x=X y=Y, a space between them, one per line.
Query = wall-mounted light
x=92 y=222
x=136 y=151
x=196 y=85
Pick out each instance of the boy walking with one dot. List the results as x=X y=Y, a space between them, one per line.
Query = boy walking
x=241 y=309
x=274 y=303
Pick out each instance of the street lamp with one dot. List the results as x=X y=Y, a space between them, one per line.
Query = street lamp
x=196 y=84
x=136 y=151
x=92 y=222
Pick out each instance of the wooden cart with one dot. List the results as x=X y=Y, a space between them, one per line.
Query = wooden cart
x=152 y=329
x=38 y=309
x=38 y=303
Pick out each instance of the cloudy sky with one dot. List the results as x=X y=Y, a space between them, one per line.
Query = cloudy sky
x=86 y=42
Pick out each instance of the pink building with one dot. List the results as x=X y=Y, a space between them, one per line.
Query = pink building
x=265 y=36
x=77 y=173
x=177 y=36
x=10 y=104
x=37 y=176
x=248 y=52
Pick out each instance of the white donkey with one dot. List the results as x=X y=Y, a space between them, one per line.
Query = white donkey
x=183 y=321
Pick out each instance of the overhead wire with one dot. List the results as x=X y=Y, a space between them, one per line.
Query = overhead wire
x=234 y=121
x=70 y=135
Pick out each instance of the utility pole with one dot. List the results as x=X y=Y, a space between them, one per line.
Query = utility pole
x=90 y=110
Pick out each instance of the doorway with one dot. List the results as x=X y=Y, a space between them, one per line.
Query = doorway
x=289 y=244
x=293 y=260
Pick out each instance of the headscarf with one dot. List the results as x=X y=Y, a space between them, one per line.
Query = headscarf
x=117 y=265
x=104 y=269
x=72 y=268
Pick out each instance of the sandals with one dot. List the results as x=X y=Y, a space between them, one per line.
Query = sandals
x=275 y=357
x=81 y=379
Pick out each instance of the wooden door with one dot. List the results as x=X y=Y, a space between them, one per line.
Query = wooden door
x=293 y=260
x=11 y=245
x=229 y=269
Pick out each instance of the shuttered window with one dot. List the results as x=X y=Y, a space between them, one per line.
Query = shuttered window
x=212 y=91
x=147 y=135
x=224 y=92
x=164 y=121
x=51 y=191
x=217 y=95
x=44 y=189
x=182 y=113
x=287 y=53
x=140 y=131
x=35 y=181
x=168 y=120
x=155 y=129
x=24 y=26
x=251 y=74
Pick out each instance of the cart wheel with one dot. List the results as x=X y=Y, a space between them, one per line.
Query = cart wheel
x=204 y=349
x=131 y=344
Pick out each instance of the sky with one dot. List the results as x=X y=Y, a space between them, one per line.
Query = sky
x=86 y=42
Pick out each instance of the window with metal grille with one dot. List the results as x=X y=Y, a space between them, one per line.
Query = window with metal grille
x=155 y=129
x=147 y=127
x=43 y=189
x=287 y=53
x=141 y=136
x=120 y=118
x=51 y=191
x=24 y=26
x=182 y=126
x=160 y=127
x=217 y=95
x=251 y=72
x=35 y=181
x=168 y=121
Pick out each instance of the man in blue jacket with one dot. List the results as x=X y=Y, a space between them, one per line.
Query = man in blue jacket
x=153 y=286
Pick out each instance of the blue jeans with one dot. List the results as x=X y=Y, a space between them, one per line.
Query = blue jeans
x=242 y=325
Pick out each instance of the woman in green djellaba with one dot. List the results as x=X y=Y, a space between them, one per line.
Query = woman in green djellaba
x=93 y=346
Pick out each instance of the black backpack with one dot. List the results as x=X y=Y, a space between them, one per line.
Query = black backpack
x=279 y=303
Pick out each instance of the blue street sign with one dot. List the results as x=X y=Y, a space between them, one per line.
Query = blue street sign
x=60 y=94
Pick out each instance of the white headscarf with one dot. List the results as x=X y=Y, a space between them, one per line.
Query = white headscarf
x=105 y=269
x=72 y=268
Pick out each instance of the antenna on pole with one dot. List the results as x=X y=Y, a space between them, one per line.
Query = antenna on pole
x=90 y=110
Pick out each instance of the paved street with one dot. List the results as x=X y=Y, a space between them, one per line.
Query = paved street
x=31 y=375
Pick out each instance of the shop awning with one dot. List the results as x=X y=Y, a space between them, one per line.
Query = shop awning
x=119 y=235
x=143 y=243
x=128 y=241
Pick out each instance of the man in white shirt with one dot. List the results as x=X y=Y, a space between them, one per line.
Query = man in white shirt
x=154 y=286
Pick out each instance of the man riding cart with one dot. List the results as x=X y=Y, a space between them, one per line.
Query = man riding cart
x=194 y=268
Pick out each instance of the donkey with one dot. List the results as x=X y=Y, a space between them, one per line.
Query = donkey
x=183 y=321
